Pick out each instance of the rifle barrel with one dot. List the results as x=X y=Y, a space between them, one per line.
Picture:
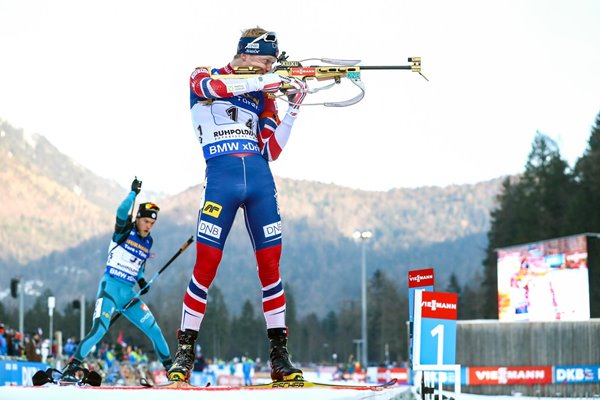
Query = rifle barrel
x=385 y=66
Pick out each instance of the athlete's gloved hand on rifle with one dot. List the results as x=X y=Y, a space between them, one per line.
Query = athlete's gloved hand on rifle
x=136 y=186
x=269 y=83
x=142 y=282
x=296 y=95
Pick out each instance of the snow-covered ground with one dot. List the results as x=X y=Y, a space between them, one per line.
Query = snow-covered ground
x=210 y=393
x=53 y=392
x=221 y=393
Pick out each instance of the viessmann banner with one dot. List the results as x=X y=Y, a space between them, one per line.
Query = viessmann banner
x=418 y=279
x=529 y=375
x=510 y=375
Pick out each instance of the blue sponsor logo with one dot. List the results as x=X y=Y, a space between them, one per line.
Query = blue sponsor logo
x=576 y=374
x=230 y=147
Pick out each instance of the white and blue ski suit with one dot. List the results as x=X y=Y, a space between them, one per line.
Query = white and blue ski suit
x=127 y=256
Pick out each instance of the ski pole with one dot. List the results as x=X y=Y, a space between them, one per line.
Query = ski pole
x=160 y=271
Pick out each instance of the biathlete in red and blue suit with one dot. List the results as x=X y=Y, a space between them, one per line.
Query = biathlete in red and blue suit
x=237 y=125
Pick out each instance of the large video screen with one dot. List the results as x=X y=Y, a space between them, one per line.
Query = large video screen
x=544 y=281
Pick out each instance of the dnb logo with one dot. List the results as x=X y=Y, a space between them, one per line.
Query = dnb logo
x=273 y=229
x=212 y=209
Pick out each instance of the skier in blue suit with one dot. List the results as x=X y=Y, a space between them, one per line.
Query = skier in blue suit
x=127 y=255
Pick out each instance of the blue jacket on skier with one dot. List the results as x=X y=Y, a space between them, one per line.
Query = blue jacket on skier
x=128 y=252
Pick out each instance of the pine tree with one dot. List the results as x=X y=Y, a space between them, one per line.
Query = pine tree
x=312 y=339
x=453 y=285
x=330 y=328
x=584 y=215
x=530 y=209
x=247 y=333
x=387 y=313
x=37 y=316
x=291 y=320
x=349 y=331
x=547 y=185
x=214 y=333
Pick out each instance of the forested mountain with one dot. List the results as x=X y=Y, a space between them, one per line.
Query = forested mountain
x=50 y=202
x=56 y=220
x=44 y=240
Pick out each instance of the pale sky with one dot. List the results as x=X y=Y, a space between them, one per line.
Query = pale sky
x=107 y=83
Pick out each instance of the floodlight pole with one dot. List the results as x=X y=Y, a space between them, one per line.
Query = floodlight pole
x=51 y=306
x=82 y=317
x=21 y=309
x=363 y=237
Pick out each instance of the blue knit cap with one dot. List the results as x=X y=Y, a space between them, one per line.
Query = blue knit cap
x=264 y=45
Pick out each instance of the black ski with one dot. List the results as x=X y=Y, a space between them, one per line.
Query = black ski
x=309 y=384
x=169 y=384
x=275 y=385
x=89 y=378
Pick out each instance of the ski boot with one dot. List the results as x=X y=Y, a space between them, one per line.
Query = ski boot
x=69 y=374
x=281 y=367
x=167 y=365
x=75 y=374
x=184 y=358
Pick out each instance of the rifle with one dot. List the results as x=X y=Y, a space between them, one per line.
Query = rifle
x=334 y=70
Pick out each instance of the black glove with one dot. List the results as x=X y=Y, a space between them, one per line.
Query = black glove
x=142 y=282
x=136 y=186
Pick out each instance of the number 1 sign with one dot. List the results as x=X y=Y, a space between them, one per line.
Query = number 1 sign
x=435 y=328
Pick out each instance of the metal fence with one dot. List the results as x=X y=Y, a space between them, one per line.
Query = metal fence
x=492 y=343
